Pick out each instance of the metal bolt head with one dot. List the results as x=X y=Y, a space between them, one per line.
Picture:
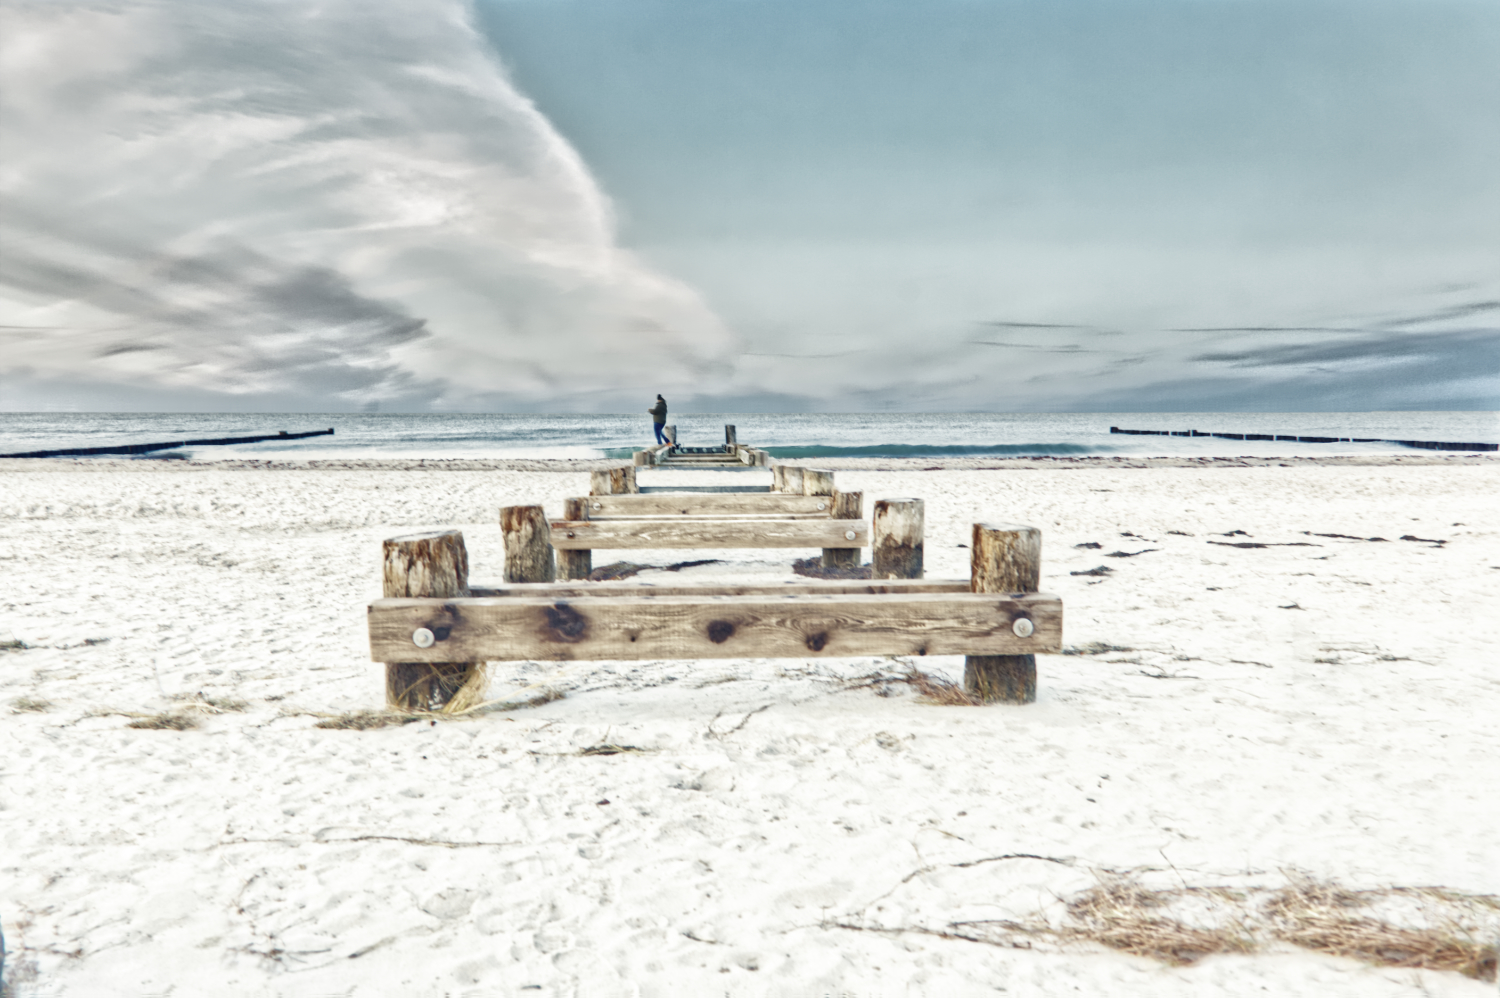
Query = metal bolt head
x=598 y=505
x=1023 y=627
x=422 y=638
x=848 y=535
x=822 y=505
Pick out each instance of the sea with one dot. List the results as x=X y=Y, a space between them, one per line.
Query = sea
x=784 y=435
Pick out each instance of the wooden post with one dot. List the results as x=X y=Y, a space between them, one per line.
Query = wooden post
x=787 y=478
x=1003 y=558
x=575 y=564
x=528 y=544
x=817 y=482
x=642 y=458
x=437 y=565
x=730 y=439
x=896 y=539
x=613 y=481
x=670 y=433
x=846 y=506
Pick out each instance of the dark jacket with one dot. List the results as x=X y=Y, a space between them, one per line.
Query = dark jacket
x=658 y=411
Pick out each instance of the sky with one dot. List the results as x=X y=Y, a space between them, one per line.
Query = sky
x=750 y=205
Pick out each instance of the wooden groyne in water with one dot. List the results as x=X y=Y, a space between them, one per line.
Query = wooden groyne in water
x=148 y=448
x=1423 y=444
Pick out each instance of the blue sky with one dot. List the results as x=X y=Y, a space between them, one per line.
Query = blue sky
x=751 y=204
x=868 y=187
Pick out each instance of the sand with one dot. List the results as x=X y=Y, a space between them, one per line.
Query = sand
x=1324 y=709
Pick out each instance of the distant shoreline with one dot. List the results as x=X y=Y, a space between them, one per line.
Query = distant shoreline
x=1022 y=463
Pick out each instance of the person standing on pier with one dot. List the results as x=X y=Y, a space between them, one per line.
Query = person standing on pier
x=659 y=418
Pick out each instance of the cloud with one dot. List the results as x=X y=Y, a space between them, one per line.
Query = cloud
x=338 y=203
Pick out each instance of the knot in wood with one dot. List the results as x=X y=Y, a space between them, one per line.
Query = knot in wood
x=720 y=631
x=565 y=623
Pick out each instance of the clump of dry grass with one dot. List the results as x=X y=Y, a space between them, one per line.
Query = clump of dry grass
x=442 y=687
x=1428 y=928
x=23 y=705
x=943 y=692
x=1330 y=919
x=165 y=722
x=1125 y=916
x=930 y=689
x=366 y=720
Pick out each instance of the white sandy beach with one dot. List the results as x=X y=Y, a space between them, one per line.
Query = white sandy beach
x=1323 y=710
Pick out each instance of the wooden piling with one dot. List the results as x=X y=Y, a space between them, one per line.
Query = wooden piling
x=787 y=478
x=898 y=529
x=730 y=439
x=670 y=432
x=429 y=565
x=614 y=481
x=575 y=564
x=846 y=506
x=1003 y=558
x=817 y=482
x=528 y=545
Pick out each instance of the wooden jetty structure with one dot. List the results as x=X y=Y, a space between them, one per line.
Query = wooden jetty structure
x=149 y=448
x=436 y=630
x=1305 y=439
x=732 y=456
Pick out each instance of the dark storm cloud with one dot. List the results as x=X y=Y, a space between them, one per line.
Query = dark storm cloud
x=1466 y=352
x=342 y=203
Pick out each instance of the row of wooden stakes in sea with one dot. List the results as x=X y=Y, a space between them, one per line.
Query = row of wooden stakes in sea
x=435 y=629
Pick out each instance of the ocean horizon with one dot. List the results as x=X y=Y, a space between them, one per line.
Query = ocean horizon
x=786 y=436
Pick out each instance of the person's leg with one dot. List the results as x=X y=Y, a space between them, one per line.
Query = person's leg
x=660 y=438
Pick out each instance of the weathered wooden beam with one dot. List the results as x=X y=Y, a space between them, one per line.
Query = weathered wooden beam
x=696 y=627
x=430 y=565
x=804 y=587
x=528 y=544
x=730 y=437
x=718 y=517
x=575 y=564
x=846 y=506
x=670 y=432
x=613 y=481
x=708 y=504
x=1004 y=558
x=727 y=533
x=899 y=526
